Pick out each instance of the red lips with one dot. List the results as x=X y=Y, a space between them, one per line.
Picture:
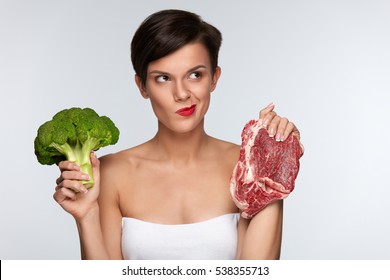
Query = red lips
x=186 y=111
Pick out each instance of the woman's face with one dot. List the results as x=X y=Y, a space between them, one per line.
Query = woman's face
x=179 y=86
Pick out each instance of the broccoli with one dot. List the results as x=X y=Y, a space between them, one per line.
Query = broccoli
x=72 y=134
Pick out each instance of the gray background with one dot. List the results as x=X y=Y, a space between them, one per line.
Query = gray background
x=325 y=64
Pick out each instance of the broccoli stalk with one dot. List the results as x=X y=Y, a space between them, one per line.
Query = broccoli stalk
x=80 y=154
x=72 y=134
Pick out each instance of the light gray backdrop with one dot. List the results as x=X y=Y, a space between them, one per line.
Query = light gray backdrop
x=326 y=65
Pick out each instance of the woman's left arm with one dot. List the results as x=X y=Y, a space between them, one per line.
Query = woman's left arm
x=261 y=237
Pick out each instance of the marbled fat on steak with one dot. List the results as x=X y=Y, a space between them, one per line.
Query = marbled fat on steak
x=266 y=170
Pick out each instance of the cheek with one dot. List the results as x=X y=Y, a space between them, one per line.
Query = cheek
x=158 y=103
x=200 y=90
x=157 y=96
x=202 y=94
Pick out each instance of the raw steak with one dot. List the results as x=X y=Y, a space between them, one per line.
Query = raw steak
x=266 y=170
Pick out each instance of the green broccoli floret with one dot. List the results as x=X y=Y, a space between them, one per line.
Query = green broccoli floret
x=72 y=134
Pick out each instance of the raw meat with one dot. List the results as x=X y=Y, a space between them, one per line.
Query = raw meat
x=266 y=170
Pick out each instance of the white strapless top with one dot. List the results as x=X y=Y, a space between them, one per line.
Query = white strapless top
x=213 y=239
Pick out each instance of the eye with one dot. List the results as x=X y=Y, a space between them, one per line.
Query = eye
x=162 y=78
x=195 y=75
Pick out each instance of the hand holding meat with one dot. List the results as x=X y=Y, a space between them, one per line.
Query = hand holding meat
x=268 y=166
x=277 y=126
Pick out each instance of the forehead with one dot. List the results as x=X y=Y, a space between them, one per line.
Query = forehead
x=185 y=58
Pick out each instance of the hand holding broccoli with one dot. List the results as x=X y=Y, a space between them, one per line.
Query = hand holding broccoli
x=70 y=192
x=71 y=135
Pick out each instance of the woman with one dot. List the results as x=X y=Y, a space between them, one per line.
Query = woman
x=169 y=198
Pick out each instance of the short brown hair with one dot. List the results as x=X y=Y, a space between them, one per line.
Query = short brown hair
x=164 y=32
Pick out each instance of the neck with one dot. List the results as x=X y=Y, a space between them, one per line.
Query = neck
x=180 y=147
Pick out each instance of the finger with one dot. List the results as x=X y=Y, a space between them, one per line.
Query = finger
x=295 y=131
x=72 y=175
x=281 y=129
x=267 y=119
x=68 y=165
x=63 y=194
x=74 y=185
x=75 y=175
x=273 y=126
x=287 y=131
x=266 y=110
x=291 y=129
x=59 y=180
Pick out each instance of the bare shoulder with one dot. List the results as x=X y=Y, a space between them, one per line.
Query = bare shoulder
x=115 y=160
x=125 y=159
x=120 y=167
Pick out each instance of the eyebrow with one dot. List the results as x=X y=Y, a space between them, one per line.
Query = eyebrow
x=189 y=71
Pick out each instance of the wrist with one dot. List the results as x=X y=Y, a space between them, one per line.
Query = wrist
x=91 y=216
x=91 y=237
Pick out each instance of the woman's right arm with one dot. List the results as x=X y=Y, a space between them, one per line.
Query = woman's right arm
x=85 y=207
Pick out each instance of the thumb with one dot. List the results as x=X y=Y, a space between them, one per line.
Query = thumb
x=95 y=168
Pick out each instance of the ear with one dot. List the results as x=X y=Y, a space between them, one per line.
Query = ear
x=141 y=87
x=217 y=74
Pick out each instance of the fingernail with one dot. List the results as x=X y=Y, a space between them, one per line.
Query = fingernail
x=278 y=137
x=271 y=104
x=83 y=189
x=85 y=177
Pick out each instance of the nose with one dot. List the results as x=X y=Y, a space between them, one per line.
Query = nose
x=181 y=92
